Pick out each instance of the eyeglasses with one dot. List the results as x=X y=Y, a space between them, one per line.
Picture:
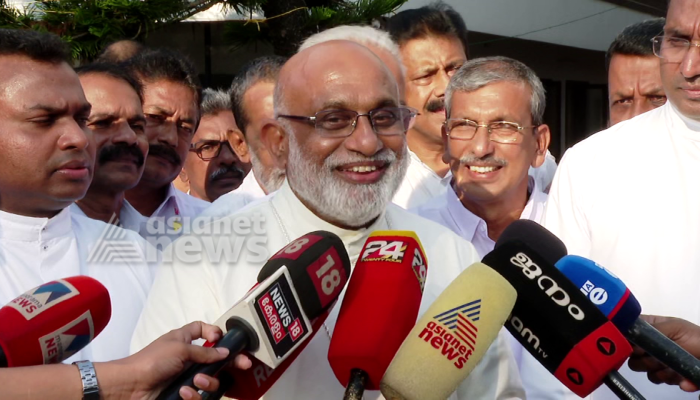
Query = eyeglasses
x=341 y=123
x=208 y=149
x=499 y=131
x=670 y=48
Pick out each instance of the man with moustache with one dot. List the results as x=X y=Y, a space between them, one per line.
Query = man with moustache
x=251 y=101
x=433 y=44
x=171 y=97
x=627 y=197
x=118 y=126
x=634 y=78
x=341 y=127
x=48 y=156
x=212 y=168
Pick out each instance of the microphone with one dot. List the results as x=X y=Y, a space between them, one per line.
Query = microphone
x=451 y=337
x=299 y=283
x=51 y=322
x=614 y=299
x=553 y=320
x=379 y=309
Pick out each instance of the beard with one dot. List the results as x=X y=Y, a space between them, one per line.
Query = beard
x=353 y=205
x=269 y=180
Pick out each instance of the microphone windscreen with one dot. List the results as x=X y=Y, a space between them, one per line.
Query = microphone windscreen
x=535 y=236
x=318 y=265
x=605 y=290
x=380 y=305
x=50 y=323
x=451 y=337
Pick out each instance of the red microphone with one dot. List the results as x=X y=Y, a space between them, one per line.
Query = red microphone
x=379 y=309
x=50 y=323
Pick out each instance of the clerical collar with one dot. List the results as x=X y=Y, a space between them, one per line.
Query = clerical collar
x=30 y=229
x=689 y=128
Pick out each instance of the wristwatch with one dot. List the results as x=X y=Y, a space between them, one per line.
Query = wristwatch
x=91 y=390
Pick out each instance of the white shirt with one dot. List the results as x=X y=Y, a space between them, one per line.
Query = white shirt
x=165 y=224
x=34 y=251
x=448 y=210
x=227 y=204
x=129 y=218
x=203 y=292
x=422 y=184
x=628 y=198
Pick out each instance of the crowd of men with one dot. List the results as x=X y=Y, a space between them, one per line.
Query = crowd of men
x=362 y=130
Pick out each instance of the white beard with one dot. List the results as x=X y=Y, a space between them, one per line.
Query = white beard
x=354 y=205
x=270 y=180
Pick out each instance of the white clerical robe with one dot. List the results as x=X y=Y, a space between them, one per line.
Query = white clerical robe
x=629 y=199
x=229 y=203
x=204 y=291
x=34 y=251
x=448 y=211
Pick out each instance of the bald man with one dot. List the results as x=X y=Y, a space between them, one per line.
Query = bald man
x=342 y=172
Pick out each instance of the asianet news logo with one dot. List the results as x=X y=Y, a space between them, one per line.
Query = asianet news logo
x=454 y=333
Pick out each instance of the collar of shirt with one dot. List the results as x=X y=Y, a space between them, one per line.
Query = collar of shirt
x=474 y=229
x=679 y=123
x=295 y=219
x=250 y=186
x=427 y=171
x=30 y=229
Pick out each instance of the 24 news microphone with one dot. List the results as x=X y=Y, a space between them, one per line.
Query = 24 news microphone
x=299 y=283
x=50 y=323
x=614 y=299
x=451 y=337
x=380 y=307
x=552 y=319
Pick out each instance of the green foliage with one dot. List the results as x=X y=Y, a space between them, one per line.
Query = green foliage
x=89 y=25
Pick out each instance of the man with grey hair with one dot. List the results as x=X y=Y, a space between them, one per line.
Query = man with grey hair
x=251 y=101
x=341 y=126
x=212 y=168
x=492 y=135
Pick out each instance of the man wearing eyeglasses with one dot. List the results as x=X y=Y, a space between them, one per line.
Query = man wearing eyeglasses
x=628 y=197
x=340 y=133
x=212 y=168
x=492 y=135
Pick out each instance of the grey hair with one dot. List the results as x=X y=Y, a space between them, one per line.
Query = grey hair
x=361 y=34
x=215 y=101
x=479 y=72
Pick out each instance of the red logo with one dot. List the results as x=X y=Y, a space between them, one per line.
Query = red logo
x=272 y=318
x=328 y=275
x=293 y=250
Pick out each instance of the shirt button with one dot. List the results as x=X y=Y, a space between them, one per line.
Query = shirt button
x=45 y=247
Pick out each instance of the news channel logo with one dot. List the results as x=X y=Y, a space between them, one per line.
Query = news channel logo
x=184 y=240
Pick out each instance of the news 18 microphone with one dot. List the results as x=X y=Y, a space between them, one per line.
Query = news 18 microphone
x=451 y=337
x=615 y=300
x=380 y=307
x=552 y=319
x=298 y=284
x=50 y=323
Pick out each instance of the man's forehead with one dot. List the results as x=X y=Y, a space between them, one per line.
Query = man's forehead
x=683 y=17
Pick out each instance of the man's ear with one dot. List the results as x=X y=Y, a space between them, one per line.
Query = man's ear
x=183 y=176
x=240 y=147
x=542 y=138
x=274 y=137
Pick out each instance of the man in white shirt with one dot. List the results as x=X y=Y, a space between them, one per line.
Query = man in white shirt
x=628 y=197
x=251 y=99
x=47 y=159
x=212 y=168
x=118 y=126
x=340 y=178
x=493 y=134
x=171 y=97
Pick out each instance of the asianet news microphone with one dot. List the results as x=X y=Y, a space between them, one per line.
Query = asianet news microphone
x=451 y=337
x=50 y=323
x=553 y=320
x=379 y=309
x=298 y=284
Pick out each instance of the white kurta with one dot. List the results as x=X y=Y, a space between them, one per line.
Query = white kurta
x=421 y=184
x=34 y=251
x=229 y=203
x=129 y=218
x=629 y=199
x=448 y=211
x=183 y=293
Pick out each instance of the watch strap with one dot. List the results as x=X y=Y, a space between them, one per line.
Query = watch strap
x=91 y=390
